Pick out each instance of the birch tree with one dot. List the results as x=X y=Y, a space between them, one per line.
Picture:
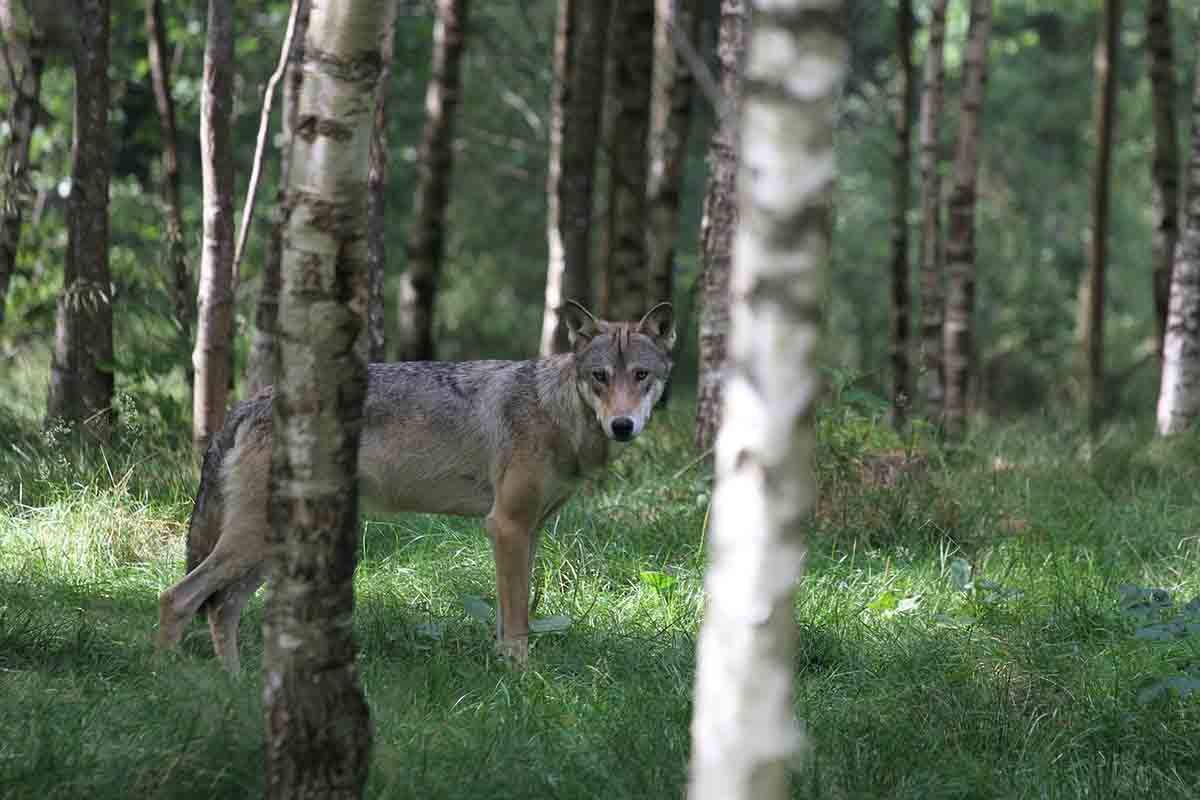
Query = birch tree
x=932 y=295
x=1179 y=392
x=1165 y=168
x=901 y=168
x=377 y=185
x=260 y=364
x=212 y=356
x=318 y=733
x=718 y=225
x=960 y=239
x=744 y=734
x=580 y=40
x=435 y=159
x=631 y=44
x=1091 y=307
x=81 y=378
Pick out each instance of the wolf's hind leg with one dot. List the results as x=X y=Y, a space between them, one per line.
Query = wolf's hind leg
x=225 y=612
x=176 y=606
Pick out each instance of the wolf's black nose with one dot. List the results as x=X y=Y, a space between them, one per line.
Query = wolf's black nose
x=622 y=428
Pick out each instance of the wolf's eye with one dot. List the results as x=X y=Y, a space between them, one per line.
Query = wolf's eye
x=640 y=375
x=600 y=376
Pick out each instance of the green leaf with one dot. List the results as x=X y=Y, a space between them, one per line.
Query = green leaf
x=658 y=580
x=885 y=602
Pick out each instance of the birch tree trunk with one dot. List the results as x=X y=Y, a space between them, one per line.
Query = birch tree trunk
x=25 y=56
x=575 y=106
x=670 y=118
x=81 y=378
x=377 y=185
x=1179 y=393
x=1093 y=297
x=260 y=363
x=211 y=357
x=318 y=732
x=932 y=266
x=1165 y=170
x=435 y=159
x=718 y=226
x=960 y=239
x=632 y=46
x=175 y=250
x=744 y=734
x=902 y=167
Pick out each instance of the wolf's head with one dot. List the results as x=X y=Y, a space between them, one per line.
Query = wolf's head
x=621 y=368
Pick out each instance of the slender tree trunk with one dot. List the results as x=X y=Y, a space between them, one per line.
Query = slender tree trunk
x=214 y=328
x=575 y=107
x=175 y=251
x=632 y=46
x=318 y=730
x=426 y=245
x=25 y=55
x=902 y=167
x=670 y=118
x=960 y=239
x=260 y=363
x=718 y=226
x=744 y=732
x=1179 y=393
x=1094 y=292
x=377 y=186
x=932 y=295
x=81 y=377
x=1165 y=170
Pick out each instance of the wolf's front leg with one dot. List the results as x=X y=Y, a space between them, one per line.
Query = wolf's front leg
x=511 y=526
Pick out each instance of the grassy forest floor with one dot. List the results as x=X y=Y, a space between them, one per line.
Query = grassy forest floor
x=964 y=627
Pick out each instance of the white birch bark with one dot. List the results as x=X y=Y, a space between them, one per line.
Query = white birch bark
x=1179 y=392
x=744 y=733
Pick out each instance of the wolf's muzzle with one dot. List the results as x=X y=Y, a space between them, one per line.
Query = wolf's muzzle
x=622 y=429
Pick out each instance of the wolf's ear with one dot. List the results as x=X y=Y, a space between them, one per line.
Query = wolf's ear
x=581 y=325
x=659 y=325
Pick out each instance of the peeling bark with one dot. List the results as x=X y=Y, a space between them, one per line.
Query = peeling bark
x=575 y=109
x=745 y=738
x=435 y=159
x=318 y=731
x=717 y=228
x=960 y=238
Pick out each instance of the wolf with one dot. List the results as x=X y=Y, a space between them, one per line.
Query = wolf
x=504 y=440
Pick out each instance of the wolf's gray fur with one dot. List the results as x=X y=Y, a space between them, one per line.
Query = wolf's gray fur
x=508 y=440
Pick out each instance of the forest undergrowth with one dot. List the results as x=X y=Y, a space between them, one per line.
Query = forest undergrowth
x=1017 y=618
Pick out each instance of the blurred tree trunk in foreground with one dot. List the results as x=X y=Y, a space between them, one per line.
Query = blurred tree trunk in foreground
x=1092 y=298
x=631 y=43
x=260 y=362
x=719 y=225
x=214 y=324
x=24 y=56
x=1179 y=394
x=435 y=159
x=175 y=250
x=1165 y=170
x=81 y=369
x=902 y=169
x=744 y=733
x=377 y=186
x=575 y=107
x=932 y=380
x=960 y=236
x=670 y=118
x=318 y=730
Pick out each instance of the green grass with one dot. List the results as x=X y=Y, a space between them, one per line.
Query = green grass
x=1031 y=684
